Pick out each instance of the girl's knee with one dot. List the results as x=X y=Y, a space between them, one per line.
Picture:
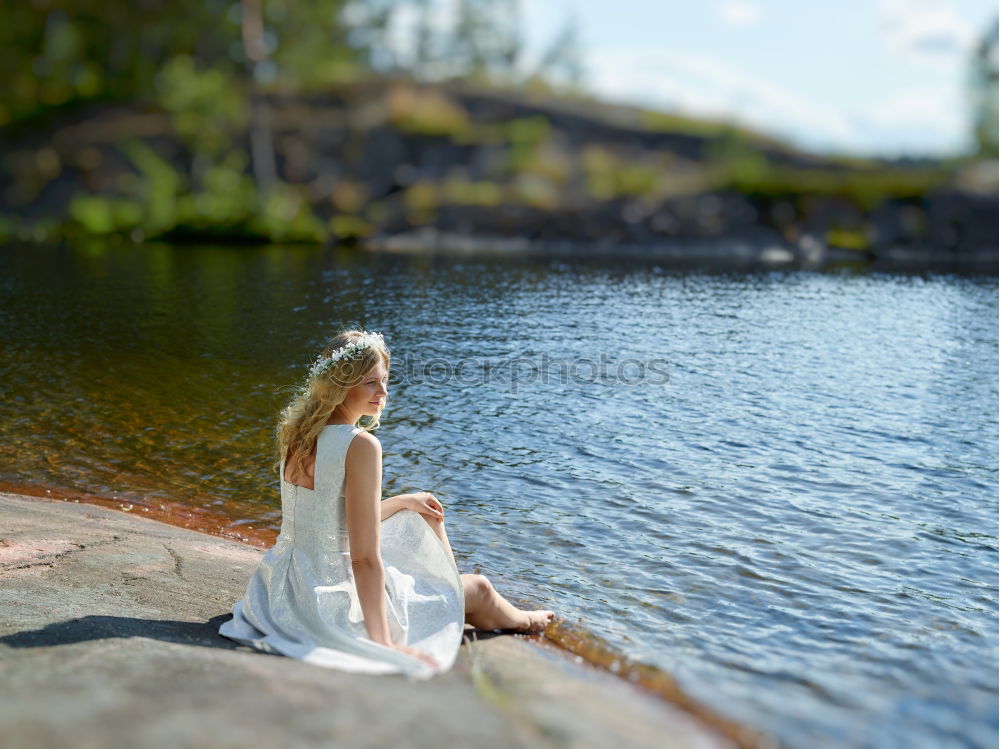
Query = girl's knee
x=483 y=585
x=477 y=585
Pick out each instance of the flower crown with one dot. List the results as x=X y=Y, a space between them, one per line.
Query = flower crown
x=349 y=351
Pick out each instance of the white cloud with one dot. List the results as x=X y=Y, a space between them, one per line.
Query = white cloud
x=920 y=106
x=926 y=119
x=925 y=32
x=739 y=12
x=705 y=86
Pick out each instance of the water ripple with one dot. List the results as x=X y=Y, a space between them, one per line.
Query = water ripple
x=800 y=524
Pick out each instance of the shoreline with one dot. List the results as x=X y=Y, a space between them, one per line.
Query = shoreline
x=383 y=156
x=763 y=251
x=577 y=648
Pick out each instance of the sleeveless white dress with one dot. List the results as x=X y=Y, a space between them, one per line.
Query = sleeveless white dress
x=302 y=602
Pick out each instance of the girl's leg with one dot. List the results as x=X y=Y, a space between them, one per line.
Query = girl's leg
x=484 y=607
x=438 y=527
x=487 y=609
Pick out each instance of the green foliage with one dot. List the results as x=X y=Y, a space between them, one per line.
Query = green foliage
x=550 y=162
x=154 y=209
x=350 y=227
x=103 y=215
x=847 y=239
x=983 y=81
x=421 y=200
x=160 y=186
x=608 y=176
x=737 y=163
x=535 y=191
x=460 y=191
x=672 y=123
x=426 y=112
x=864 y=190
x=61 y=52
x=311 y=45
x=287 y=217
x=525 y=135
x=206 y=108
x=227 y=198
x=227 y=204
x=736 y=157
x=187 y=58
x=637 y=179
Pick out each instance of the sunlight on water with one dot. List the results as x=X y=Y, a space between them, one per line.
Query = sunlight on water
x=796 y=519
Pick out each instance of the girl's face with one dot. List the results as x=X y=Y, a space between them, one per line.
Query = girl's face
x=367 y=398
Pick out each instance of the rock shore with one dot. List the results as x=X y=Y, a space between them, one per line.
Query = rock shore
x=108 y=639
x=390 y=161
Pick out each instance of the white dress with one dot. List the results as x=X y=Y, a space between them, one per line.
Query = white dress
x=302 y=602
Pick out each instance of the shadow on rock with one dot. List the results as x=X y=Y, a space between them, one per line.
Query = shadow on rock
x=205 y=634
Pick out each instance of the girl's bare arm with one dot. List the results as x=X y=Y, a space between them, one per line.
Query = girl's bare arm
x=362 y=493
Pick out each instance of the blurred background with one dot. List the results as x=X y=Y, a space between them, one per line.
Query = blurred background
x=857 y=127
x=798 y=525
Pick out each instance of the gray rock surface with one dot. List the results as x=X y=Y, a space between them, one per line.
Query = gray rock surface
x=108 y=639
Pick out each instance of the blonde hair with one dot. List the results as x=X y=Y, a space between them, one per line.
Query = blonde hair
x=304 y=418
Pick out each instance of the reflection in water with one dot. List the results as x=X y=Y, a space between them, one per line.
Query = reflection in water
x=799 y=523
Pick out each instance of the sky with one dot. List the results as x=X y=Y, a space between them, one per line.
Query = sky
x=864 y=77
x=868 y=77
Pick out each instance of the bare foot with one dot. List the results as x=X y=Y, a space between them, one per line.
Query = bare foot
x=486 y=609
x=535 y=621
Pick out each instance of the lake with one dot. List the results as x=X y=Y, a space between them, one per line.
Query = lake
x=777 y=486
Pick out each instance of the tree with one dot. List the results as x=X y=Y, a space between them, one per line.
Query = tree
x=983 y=90
x=485 y=42
x=561 y=63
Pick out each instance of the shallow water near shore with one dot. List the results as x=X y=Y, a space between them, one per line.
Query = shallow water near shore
x=778 y=487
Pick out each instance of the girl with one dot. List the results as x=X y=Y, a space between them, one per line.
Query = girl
x=354 y=582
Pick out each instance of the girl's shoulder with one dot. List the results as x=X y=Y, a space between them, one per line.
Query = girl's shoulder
x=364 y=444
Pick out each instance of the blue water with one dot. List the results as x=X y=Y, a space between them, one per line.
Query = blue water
x=781 y=489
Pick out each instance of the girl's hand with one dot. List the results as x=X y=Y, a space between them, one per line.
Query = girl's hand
x=418 y=654
x=426 y=504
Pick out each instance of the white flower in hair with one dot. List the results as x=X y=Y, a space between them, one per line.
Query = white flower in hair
x=373 y=339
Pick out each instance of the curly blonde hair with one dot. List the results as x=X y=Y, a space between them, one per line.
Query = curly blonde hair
x=309 y=411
